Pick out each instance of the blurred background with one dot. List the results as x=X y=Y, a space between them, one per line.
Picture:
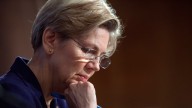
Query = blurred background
x=152 y=67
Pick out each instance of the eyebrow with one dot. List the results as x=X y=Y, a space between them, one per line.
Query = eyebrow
x=93 y=46
x=96 y=48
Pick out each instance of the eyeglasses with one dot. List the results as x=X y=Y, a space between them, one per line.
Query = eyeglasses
x=89 y=54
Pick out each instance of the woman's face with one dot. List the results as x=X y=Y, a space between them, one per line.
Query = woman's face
x=67 y=62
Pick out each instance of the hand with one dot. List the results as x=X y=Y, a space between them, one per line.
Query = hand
x=81 y=95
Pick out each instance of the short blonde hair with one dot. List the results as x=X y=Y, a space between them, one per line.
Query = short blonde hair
x=74 y=17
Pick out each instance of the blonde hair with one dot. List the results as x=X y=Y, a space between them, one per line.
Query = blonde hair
x=74 y=17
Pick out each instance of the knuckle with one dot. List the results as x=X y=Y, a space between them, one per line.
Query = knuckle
x=90 y=85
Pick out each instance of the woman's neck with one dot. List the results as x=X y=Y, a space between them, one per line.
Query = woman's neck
x=39 y=67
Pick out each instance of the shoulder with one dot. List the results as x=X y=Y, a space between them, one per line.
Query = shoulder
x=15 y=93
x=12 y=83
x=10 y=99
x=21 y=83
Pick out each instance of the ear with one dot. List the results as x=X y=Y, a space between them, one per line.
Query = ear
x=48 y=39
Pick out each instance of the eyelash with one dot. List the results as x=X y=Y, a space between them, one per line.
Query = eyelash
x=88 y=50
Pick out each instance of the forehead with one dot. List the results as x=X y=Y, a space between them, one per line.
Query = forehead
x=97 y=38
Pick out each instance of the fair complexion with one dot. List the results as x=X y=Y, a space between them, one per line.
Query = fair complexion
x=64 y=70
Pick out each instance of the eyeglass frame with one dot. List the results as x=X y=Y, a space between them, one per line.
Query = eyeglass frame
x=87 y=50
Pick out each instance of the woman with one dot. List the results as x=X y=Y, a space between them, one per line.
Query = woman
x=72 y=39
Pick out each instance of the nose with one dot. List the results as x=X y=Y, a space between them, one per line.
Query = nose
x=94 y=65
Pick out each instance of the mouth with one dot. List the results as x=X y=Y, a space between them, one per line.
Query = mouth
x=82 y=78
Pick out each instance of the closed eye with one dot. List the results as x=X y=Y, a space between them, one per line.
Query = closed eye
x=88 y=50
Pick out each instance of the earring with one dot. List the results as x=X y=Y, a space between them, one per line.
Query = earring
x=50 y=51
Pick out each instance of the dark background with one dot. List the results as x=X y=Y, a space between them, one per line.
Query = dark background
x=152 y=67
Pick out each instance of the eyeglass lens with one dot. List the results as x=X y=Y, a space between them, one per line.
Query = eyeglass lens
x=104 y=60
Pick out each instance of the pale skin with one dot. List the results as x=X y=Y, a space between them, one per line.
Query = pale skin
x=62 y=69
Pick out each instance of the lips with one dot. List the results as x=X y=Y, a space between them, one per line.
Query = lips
x=82 y=78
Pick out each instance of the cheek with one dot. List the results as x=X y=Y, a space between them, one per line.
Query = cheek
x=65 y=64
x=67 y=74
x=62 y=66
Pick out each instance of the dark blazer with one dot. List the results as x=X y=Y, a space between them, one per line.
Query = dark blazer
x=19 y=88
